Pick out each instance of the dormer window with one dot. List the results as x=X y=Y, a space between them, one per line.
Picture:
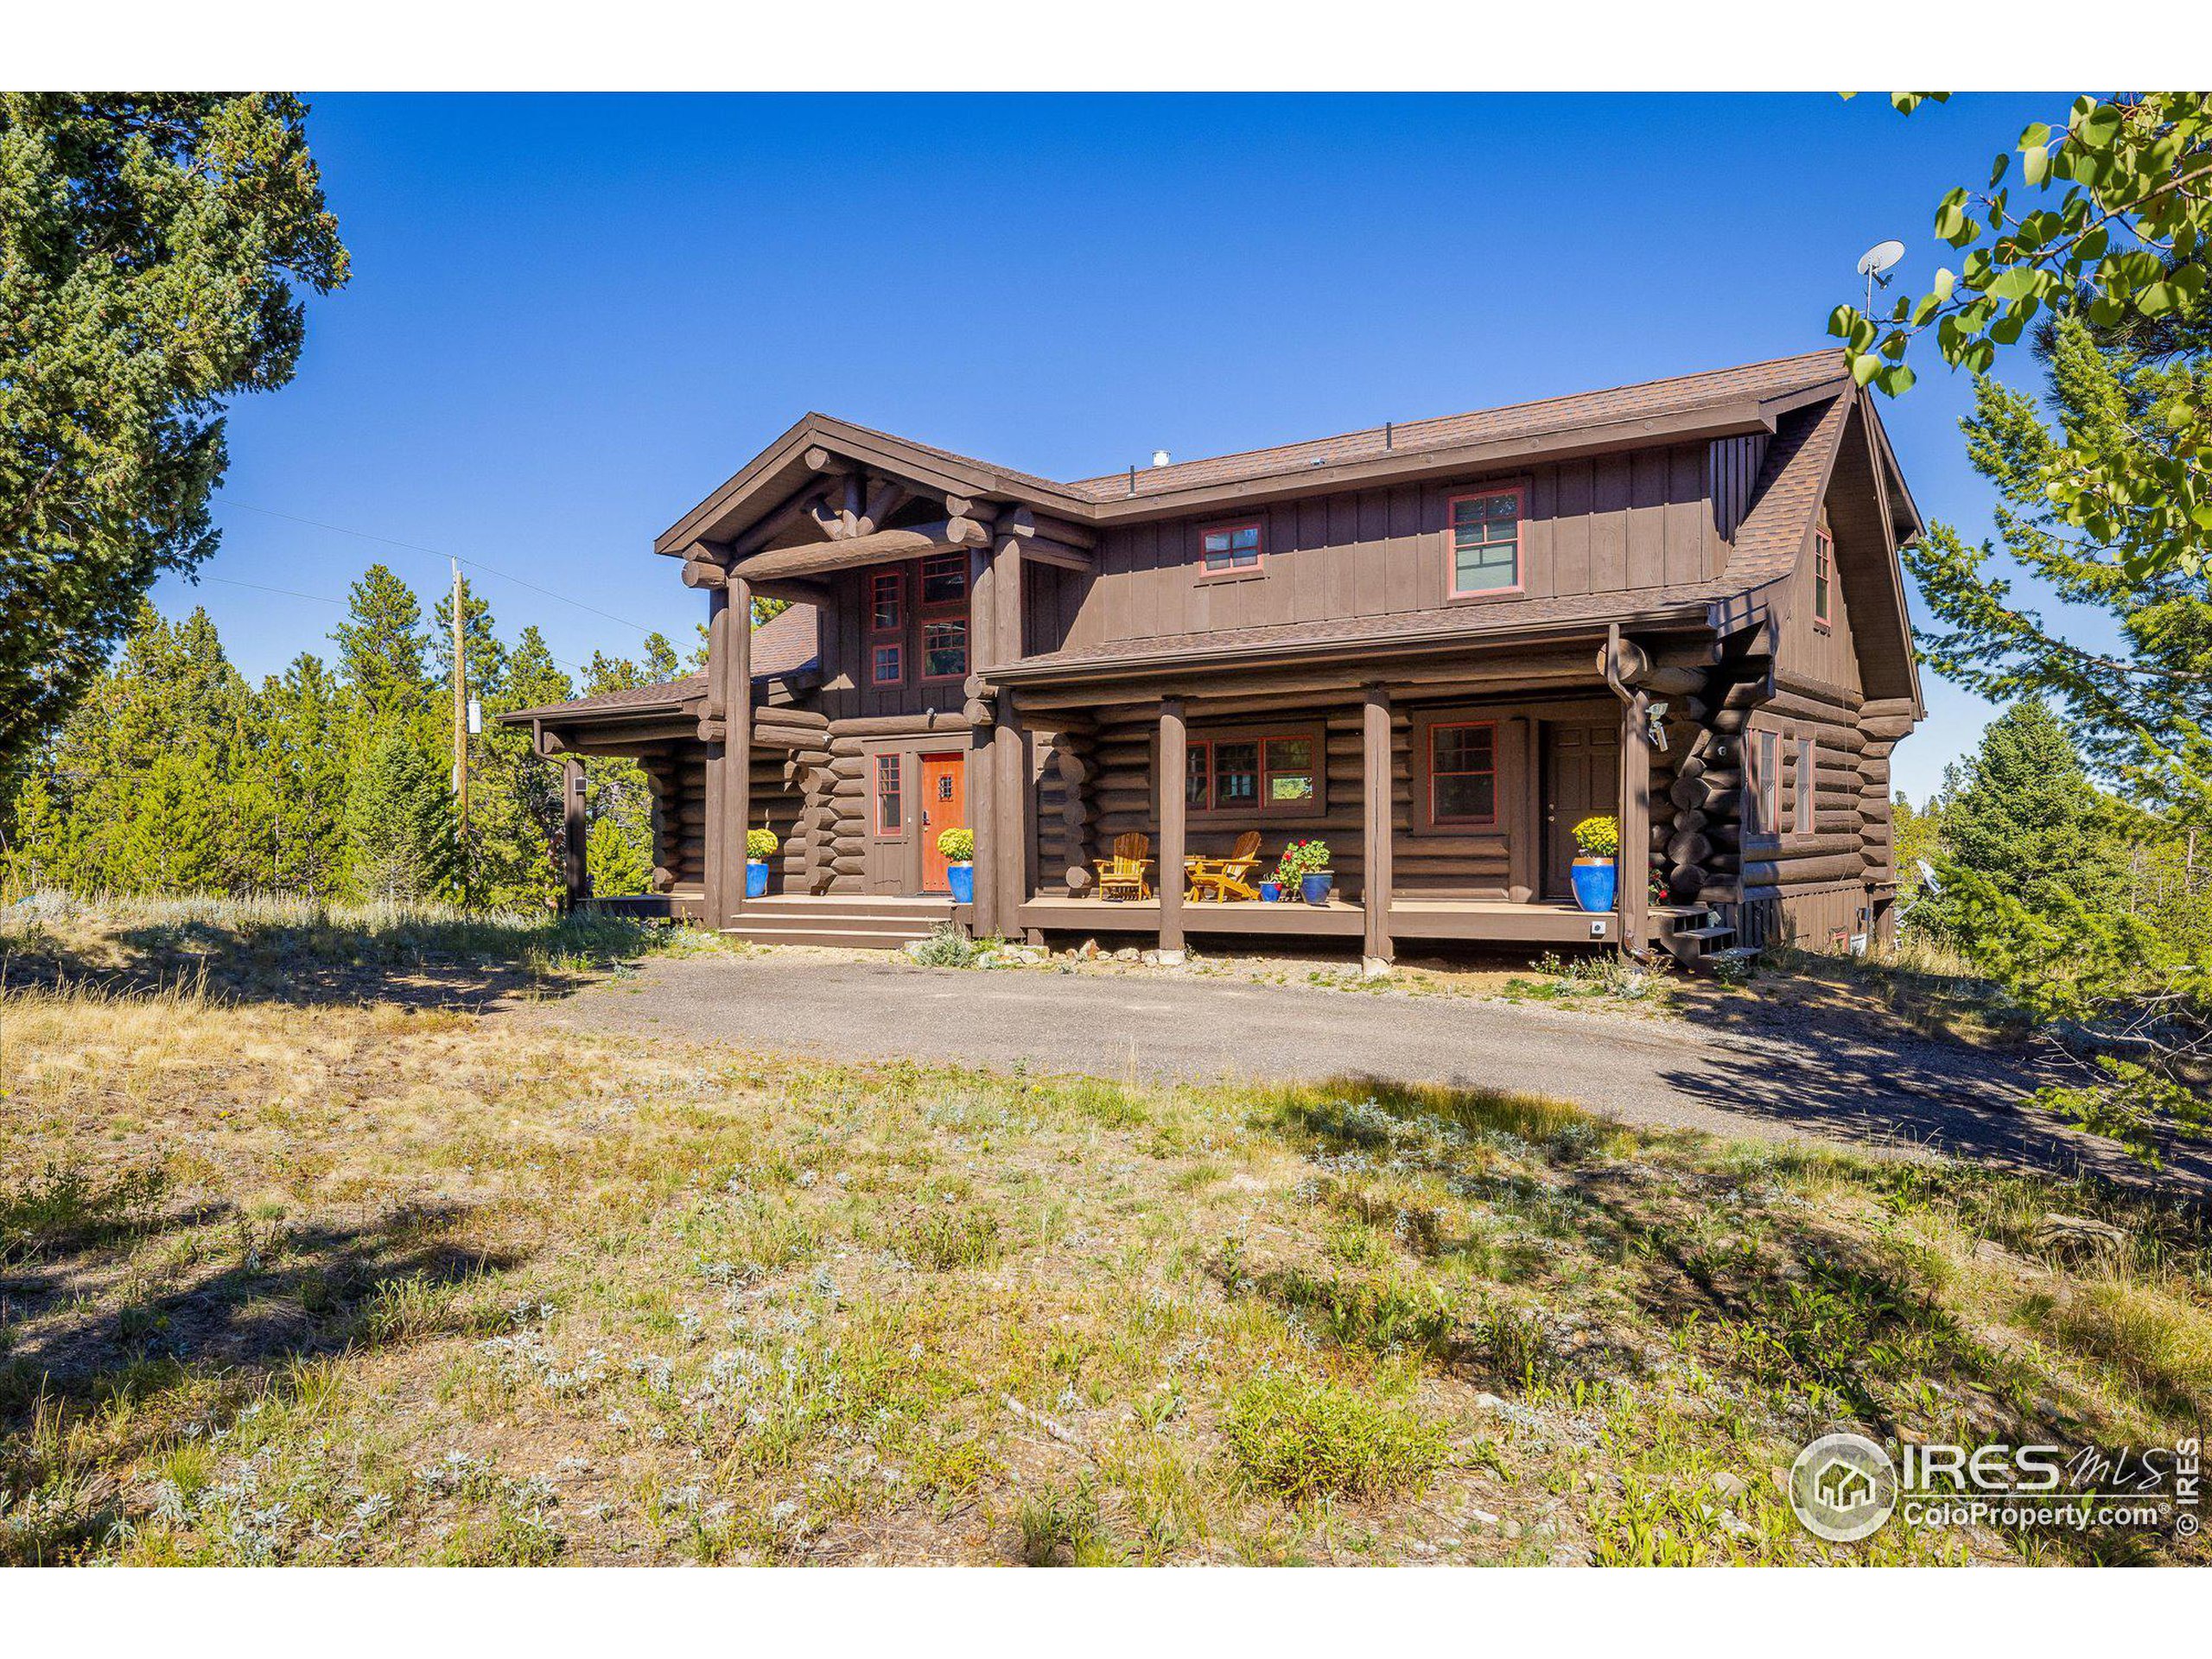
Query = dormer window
x=1823 y=578
x=1230 y=547
x=1486 y=542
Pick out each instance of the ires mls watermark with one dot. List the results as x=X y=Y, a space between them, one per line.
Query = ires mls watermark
x=1846 y=1486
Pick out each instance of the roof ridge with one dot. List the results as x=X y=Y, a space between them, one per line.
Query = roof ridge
x=1464 y=414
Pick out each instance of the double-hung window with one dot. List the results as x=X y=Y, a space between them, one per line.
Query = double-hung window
x=1272 y=774
x=1823 y=579
x=1487 y=541
x=887 y=626
x=944 y=617
x=1765 y=783
x=1462 y=773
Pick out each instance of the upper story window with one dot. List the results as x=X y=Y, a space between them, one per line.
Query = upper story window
x=886 y=663
x=1462 y=773
x=1823 y=578
x=1230 y=547
x=887 y=601
x=944 y=617
x=1487 y=541
x=944 y=580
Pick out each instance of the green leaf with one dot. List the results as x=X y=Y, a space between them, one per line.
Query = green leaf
x=1865 y=368
x=1897 y=378
x=1840 y=321
x=1944 y=280
x=2035 y=166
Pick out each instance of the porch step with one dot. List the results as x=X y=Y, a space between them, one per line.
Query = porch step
x=852 y=921
x=1695 y=936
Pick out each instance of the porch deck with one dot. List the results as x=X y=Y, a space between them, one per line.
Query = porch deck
x=1497 y=920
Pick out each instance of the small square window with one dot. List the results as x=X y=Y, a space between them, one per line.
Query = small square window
x=887 y=667
x=944 y=649
x=1486 y=542
x=1235 y=547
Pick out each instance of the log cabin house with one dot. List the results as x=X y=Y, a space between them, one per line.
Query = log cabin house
x=1436 y=645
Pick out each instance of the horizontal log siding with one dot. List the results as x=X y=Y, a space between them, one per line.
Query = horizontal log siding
x=1120 y=798
x=1610 y=523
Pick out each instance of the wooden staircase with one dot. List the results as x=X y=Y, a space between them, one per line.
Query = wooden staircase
x=1690 y=933
x=854 y=921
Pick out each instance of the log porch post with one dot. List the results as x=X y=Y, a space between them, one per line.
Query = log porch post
x=711 y=911
x=1011 y=796
x=1632 y=864
x=983 y=588
x=575 y=872
x=1169 y=885
x=1376 y=831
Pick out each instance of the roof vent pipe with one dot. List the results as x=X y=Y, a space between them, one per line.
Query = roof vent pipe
x=1160 y=457
x=1133 y=478
x=1386 y=434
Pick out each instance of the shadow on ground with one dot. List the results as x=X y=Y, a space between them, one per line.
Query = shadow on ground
x=456 y=963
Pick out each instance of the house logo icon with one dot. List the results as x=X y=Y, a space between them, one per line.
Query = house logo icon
x=1843 y=1488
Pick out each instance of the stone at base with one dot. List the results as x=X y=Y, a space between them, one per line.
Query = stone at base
x=1375 y=967
x=1164 y=958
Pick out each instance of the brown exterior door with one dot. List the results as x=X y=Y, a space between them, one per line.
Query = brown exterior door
x=944 y=806
x=1582 y=779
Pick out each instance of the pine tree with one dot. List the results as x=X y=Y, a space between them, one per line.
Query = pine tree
x=295 y=786
x=381 y=649
x=2026 y=816
x=515 y=802
x=151 y=249
x=616 y=861
x=399 y=821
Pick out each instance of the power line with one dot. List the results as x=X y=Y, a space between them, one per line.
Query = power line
x=324 y=599
x=437 y=552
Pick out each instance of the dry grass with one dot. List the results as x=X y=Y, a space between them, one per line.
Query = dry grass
x=385 y=1283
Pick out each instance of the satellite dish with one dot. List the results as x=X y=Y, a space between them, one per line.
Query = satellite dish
x=1880 y=257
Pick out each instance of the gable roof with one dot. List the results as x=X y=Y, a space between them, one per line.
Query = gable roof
x=1751 y=396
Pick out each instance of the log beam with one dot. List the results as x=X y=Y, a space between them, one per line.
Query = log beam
x=576 y=871
x=1375 y=887
x=1173 y=761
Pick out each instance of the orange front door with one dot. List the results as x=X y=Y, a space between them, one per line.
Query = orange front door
x=944 y=806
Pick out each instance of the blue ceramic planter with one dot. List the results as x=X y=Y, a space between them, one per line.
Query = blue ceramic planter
x=961 y=878
x=1314 y=888
x=1271 y=892
x=756 y=878
x=1593 y=884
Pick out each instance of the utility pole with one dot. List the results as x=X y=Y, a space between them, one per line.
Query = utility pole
x=460 y=709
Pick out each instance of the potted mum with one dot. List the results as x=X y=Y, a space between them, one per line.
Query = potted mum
x=1304 y=869
x=1595 y=874
x=760 y=847
x=958 y=847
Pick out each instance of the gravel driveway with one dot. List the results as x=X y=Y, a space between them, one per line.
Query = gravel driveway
x=1751 y=1074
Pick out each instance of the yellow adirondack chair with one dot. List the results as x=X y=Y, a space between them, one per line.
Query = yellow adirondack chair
x=1121 y=874
x=1225 y=879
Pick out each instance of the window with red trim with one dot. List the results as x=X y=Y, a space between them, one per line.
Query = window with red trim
x=1230 y=547
x=1462 y=773
x=944 y=617
x=890 y=809
x=1487 y=541
x=887 y=665
x=1266 y=772
x=887 y=601
x=1823 y=578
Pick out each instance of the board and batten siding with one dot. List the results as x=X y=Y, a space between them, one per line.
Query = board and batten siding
x=1642 y=519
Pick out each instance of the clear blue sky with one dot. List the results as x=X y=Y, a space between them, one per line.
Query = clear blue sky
x=570 y=317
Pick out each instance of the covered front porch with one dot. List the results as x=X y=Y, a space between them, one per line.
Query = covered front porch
x=1445 y=785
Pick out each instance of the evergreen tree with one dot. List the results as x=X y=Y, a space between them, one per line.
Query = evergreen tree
x=151 y=246
x=399 y=820
x=487 y=658
x=617 y=863
x=515 y=806
x=293 y=793
x=2145 y=712
x=380 y=649
x=2026 y=817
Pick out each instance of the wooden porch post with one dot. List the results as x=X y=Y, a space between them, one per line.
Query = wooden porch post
x=575 y=874
x=1169 y=884
x=1010 y=792
x=729 y=798
x=1376 y=831
x=982 y=736
x=711 y=906
x=1632 y=864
